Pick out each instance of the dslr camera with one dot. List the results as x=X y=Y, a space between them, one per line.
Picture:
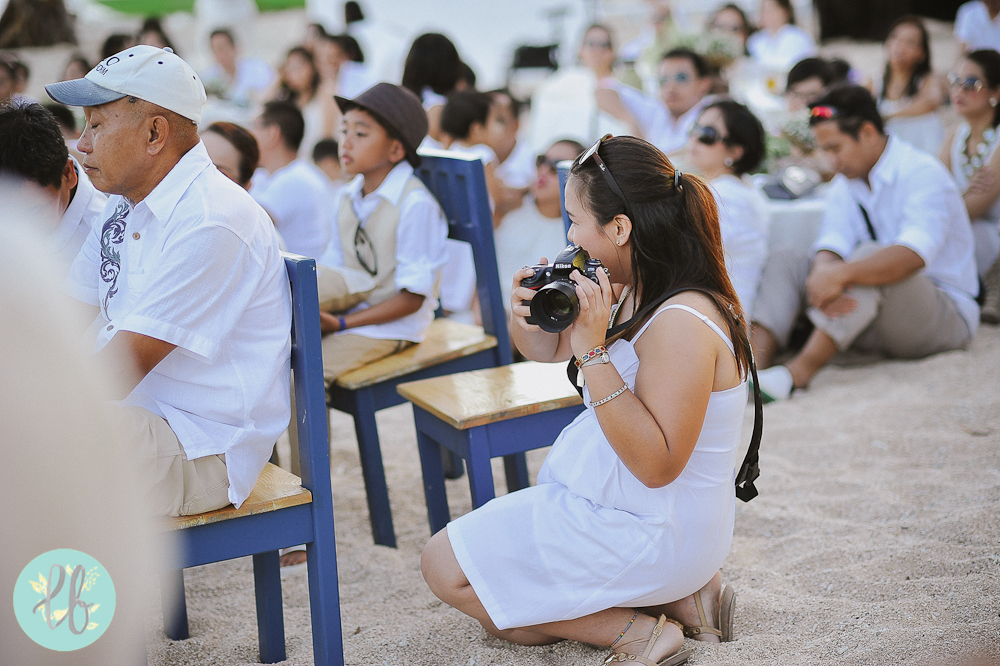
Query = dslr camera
x=555 y=306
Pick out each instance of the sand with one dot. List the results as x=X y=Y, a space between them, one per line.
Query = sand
x=875 y=538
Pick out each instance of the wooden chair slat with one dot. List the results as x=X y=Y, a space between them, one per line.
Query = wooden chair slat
x=445 y=340
x=469 y=399
x=275 y=489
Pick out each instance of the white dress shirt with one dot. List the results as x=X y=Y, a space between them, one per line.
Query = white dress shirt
x=518 y=171
x=296 y=196
x=782 y=50
x=743 y=222
x=83 y=213
x=253 y=79
x=649 y=112
x=975 y=28
x=196 y=264
x=420 y=248
x=672 y=133
x=913 y=202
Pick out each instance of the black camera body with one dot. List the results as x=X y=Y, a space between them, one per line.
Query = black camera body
x=556 y=305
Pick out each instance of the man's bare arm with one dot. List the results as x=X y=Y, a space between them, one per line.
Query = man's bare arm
x=131 y=356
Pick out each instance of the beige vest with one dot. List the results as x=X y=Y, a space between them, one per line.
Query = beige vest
x=381 y=229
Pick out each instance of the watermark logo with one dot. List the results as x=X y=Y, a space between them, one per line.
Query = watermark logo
x=64 y=600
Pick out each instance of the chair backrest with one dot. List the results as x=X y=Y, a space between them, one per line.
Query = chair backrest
x=563 y=168
x=459 y=184
x=307 y=377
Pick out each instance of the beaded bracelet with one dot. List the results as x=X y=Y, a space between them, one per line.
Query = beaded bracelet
x=342 y=323
x=593 y=353
x=610 y=397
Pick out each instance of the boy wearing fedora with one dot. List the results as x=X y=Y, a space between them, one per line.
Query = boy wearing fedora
x=389 y=229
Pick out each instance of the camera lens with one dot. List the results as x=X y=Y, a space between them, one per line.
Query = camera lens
x=555 y=306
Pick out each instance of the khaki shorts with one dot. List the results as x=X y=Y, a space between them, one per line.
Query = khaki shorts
x=177 y=486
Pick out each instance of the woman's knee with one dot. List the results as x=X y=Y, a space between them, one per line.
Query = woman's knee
x=440 y=567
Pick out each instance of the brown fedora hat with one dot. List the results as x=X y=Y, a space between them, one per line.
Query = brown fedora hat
x=398 y=110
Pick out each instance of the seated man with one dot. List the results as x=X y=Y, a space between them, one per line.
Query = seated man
x=535 y=229
x=291 y=190
x=32 y=146
x=893 y=269
x=240 y=80
x=389 y=226
x=188 y=284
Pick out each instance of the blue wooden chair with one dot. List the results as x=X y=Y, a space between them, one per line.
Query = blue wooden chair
x=459 y=183
x=281 y=511
x=484 y=414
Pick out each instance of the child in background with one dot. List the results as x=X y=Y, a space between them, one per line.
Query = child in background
x=389 y=227
x=326 y=157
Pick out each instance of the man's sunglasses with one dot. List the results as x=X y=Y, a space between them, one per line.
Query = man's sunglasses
x=606 y=172
x=681 y=79
x=968 y=84
x=708 y=135
x=543 y=161
x=364 y=250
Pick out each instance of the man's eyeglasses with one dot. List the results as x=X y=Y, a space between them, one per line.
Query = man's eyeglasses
x=595 y=44
x=819 y=114
x=606 y=172
x=681 y=79
x=365 y=251
x=708 y=135
x=968 y=84
x=543 y=161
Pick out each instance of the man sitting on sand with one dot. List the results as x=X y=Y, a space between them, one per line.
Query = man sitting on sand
x=187 y=282
x=893 y=268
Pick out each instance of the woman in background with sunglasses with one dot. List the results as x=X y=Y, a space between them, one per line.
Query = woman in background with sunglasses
x=970 y=153
x=633 y=512
x=726 y=144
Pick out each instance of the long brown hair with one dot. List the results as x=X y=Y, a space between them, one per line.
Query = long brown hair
x=675 y=242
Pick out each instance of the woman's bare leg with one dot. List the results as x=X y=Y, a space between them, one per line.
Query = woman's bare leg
x=447 y=581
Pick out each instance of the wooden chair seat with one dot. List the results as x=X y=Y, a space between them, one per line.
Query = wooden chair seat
x=483 y=414
x=275 y=489
x=445 y=340
x=479 y=397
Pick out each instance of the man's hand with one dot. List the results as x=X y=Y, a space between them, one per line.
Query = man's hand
x=826 y=283
x=840 y=306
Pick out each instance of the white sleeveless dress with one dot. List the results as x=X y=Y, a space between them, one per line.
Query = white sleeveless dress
x=590 y=536
x=985 y=230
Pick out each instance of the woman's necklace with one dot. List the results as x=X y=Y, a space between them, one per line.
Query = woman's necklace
x=972 y=163
x=616 y=308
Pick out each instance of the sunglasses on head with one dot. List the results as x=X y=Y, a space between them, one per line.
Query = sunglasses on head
x=606 y=172
x=819 y=114
x=543 y=161
x=968 y=84
x=708 y=135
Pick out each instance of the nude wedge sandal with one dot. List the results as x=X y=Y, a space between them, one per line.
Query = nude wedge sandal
x=674 y=659
x=724 y=621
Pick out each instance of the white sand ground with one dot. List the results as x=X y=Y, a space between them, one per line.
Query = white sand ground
x=875 y=539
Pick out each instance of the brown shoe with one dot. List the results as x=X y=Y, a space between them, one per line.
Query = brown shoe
x=724 y=620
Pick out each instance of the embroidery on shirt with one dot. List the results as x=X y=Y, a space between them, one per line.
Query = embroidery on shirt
x=112 y=233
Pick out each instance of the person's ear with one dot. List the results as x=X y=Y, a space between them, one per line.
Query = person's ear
x=619 y=229
x=158 y=131
x=70 y=178
x=704 y=85
x=734 y=154
x=397 y=153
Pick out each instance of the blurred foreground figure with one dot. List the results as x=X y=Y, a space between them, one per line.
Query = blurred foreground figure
x=67 y=480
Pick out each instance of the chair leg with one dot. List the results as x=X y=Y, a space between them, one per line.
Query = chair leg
x=516 y=470
x=379 y=511
x=175 y=616
x=480 y=471
x=432 y=469
x=454 y=468
x=324 y=597
x=270 y=618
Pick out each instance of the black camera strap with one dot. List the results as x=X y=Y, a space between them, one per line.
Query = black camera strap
x=750 y=469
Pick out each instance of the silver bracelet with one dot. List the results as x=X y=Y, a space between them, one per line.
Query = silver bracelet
x=610 y=397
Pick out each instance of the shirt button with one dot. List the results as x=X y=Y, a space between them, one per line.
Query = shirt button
x=136 y=235
x=110 y=326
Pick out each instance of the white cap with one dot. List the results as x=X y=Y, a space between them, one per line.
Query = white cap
x=155 y=75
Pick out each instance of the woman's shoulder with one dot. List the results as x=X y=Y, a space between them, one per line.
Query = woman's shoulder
x=669 y=319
